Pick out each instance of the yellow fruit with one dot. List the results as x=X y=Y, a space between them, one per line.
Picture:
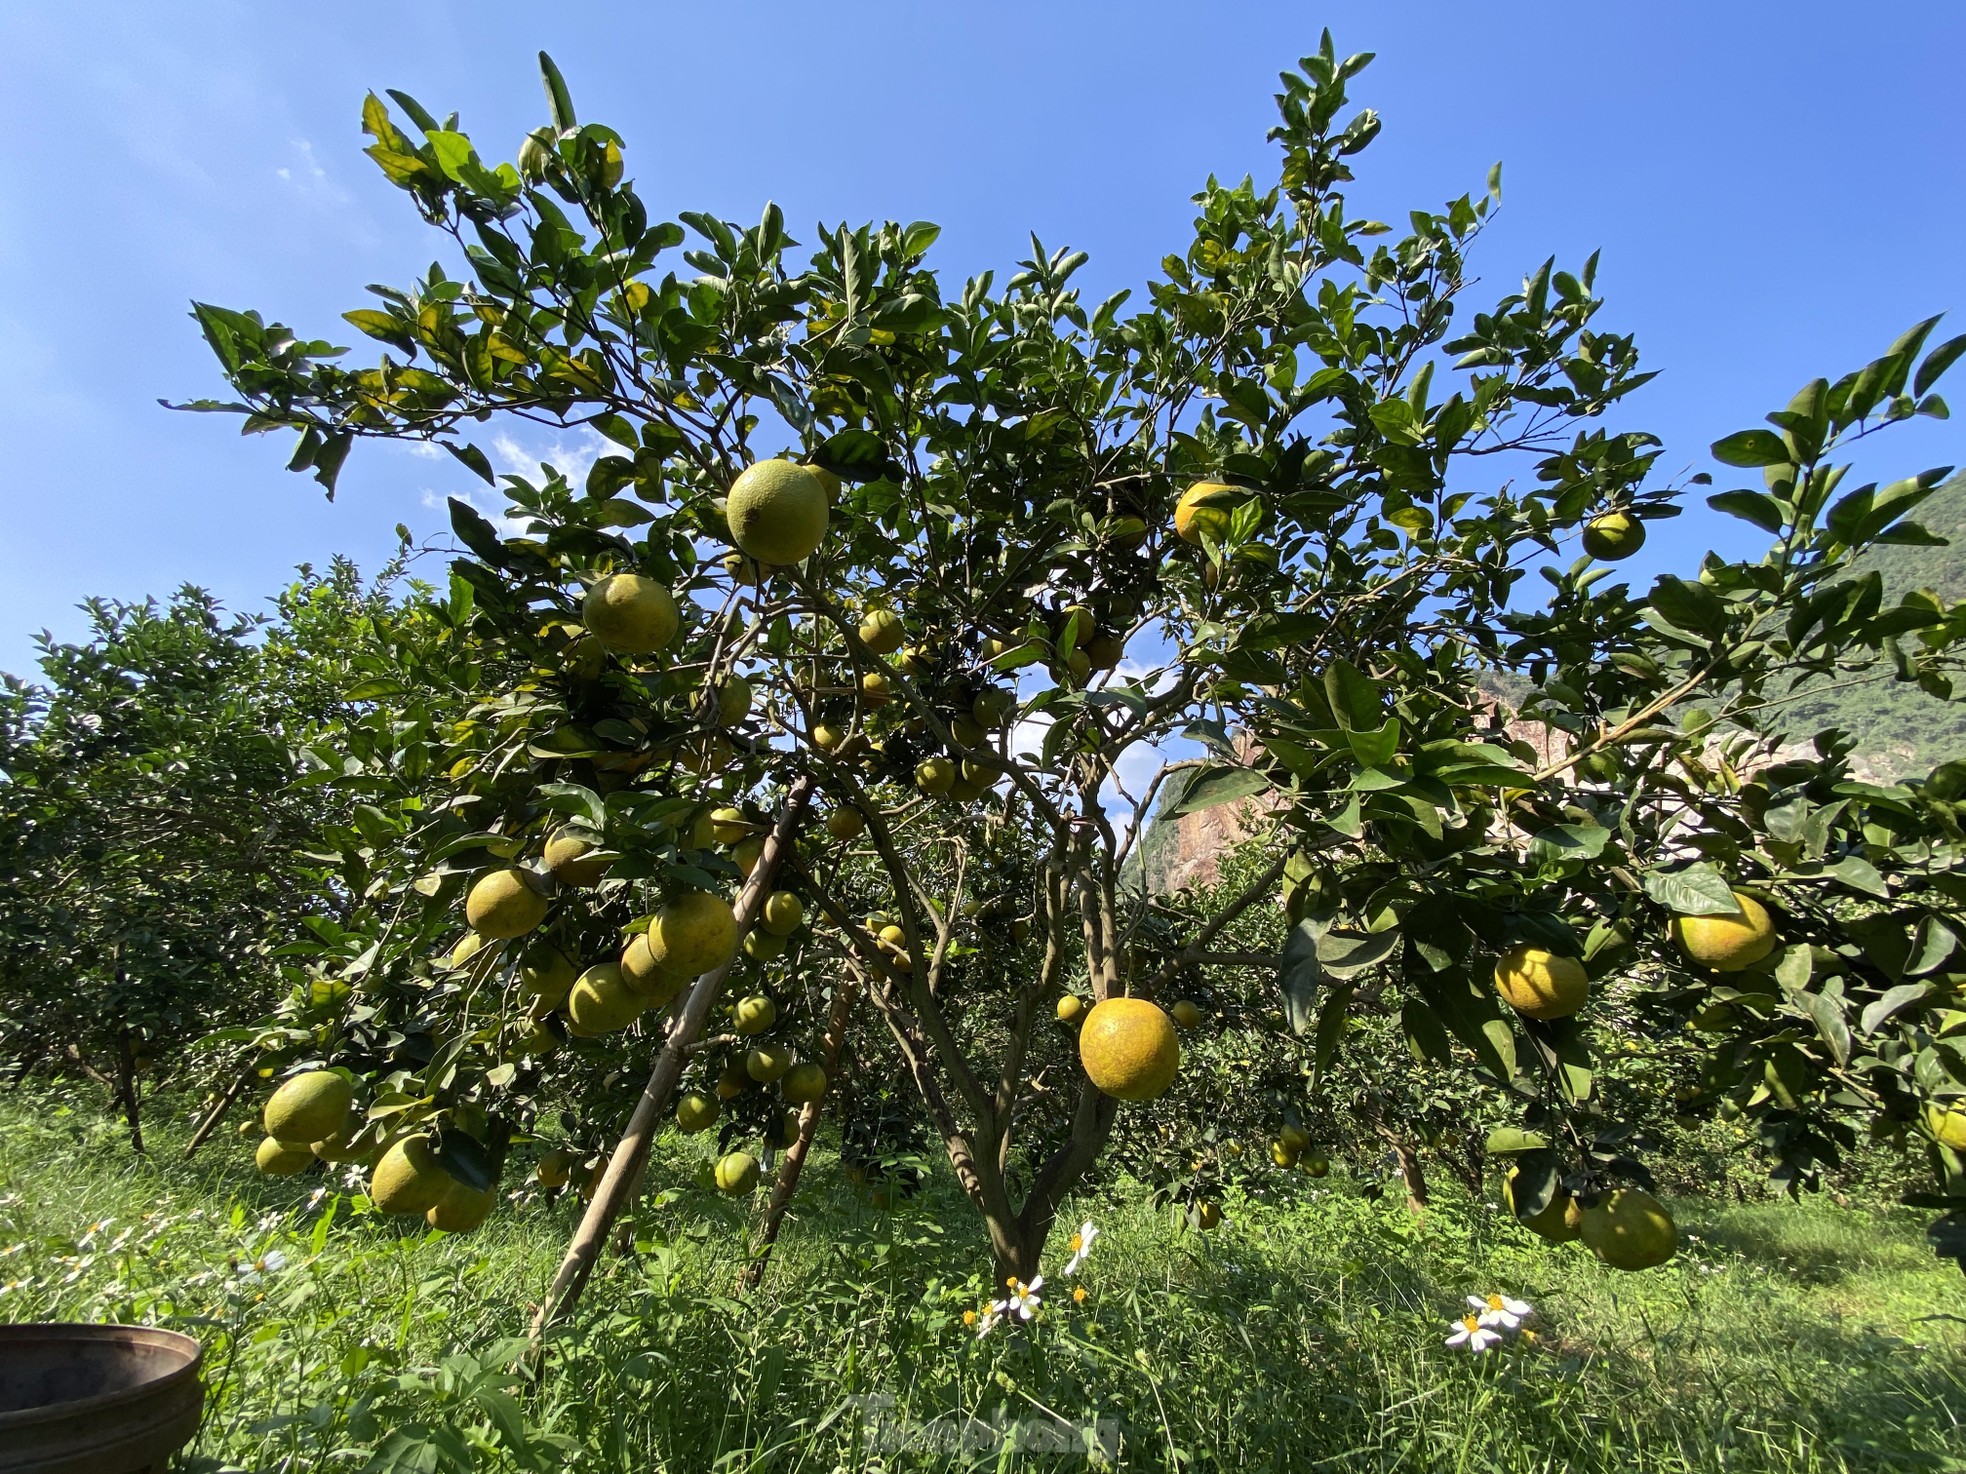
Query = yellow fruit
x=733 y=701
x=692 y=934
x=993 y=707
x=1284 y=1156
x=917 y=660
x=1727 y=943
x=1295 y=1137
x=934 y=776
x=1629 y=1229
x=696 y=1113
x=754 y=1015
x=340 y=1147
x=827 y=737
x=1947 y=1125
x=881 y=632
x=630 y=613
x=567 y=857
x=1560 y=1222
x=763 y=946
x=732 y=1083
x=1541 y=984
x=407 y=1178
x=1613 y=536
x=1070 y=1007
x=845 y=824
x=702 y=831
x=462 y=1208
x=783 y=914
x=503 y=904
x=893 y=936
x=546 y=972
x=827 y=480
x=746 y=853
x=648 y=980
x=1104 y=651
x=555 y=1169
x=1316 y=1164
x=788 y=1129
x=1208 y=1215
x=766 y=1062
x=741 y=569
x=309 y=1107
x=873 y=689
x=968 y=732
x=803 y=1083
x=777 y=512
x=592 y=1184
x=737 y=1173
x=1185 y=1014
x=1128 y=1048
x=602 y=1002
x=728 y=826
x=282 y=1158
x=1207 y=505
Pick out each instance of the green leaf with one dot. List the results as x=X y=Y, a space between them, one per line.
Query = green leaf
x=1696 y=890
x=1346 y=954
x=559 y=102
x=853 y=455
x=1860 y=875
x=1375 y=748
x=382 y=327
x=1564 y=842
x=1937 y=362
x=1751 y=448
x=1507 y=1141
x=573 y=798
x=1751 y=506
x=1330 y=1030
x=1355 y=700
x=477 y=534
x=1298 y=975
x=1426 y=1038
x=473 y=457
x=1218 y=783
x=1894 y=1001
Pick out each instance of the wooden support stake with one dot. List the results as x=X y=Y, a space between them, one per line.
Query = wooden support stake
x=624 y=1170
x=217 y=1113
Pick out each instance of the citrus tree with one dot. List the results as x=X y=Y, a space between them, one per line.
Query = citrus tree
x=877 y=581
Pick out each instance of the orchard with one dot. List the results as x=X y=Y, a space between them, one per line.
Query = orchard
x=779 y=783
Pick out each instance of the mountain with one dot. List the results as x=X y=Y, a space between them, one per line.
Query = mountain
x=1900 y=730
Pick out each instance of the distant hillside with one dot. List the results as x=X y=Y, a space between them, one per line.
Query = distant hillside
x=1899 y=729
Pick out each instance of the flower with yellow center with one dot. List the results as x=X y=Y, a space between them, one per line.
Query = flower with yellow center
x=1471 y=1334
x=1500 y=1310
x=1078 y=1294
x=1080 y=1244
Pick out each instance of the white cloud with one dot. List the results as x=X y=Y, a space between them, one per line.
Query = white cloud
x=309 y=179
x=571 y=452
x=438 y=501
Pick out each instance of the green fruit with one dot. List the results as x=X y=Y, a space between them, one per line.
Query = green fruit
x=462 y=1208
x=1561 y=1220
x=407 y=1179
x=783 y=914
x=846 y=824
x=762 y=946
x=934 y=776
x=309 y=1107
x=546 y=972
x=630 y=613
x=777 y=512
x=881 y=631
x=1630 y=1229
x=602 y=1002
x=733 y=701
x=1613 y=536
x=1185 y=1014
x=766 y=1062
x=753 y=1015
x=282 y=1158
x=567 y=857
x=503 y=903
x=728 y=826
x=692 y=934
x=737 y=1173
x=803 y=1083
x=696 y=1113
x=654 y=985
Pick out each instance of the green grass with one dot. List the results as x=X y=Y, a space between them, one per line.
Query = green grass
x=1305 y=1333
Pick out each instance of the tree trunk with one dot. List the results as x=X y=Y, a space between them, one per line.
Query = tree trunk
x=1409 y=1168
x=217 y=1113
x=126 y=1089
x=845 y=993
x=624 y=1170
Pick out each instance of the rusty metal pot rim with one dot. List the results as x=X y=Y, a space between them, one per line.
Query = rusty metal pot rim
x=99 y=1333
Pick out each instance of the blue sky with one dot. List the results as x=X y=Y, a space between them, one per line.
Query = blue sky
x=1778 y=190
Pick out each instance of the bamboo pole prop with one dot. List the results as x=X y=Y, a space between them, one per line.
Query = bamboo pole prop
x=844 y=996
x=624 y=1169
x=218 y=1112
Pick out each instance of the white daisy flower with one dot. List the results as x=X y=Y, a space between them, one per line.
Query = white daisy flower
x=1500 y=1310
x=1471 y=1334
x=1080 y=1244
x=269 y=1263
x=1024 y=1301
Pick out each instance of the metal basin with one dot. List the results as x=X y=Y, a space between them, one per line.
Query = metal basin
x=78 y=1399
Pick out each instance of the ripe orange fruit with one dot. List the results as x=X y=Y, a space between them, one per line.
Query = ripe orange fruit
x=1540 y=983
x=1128 y=1049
